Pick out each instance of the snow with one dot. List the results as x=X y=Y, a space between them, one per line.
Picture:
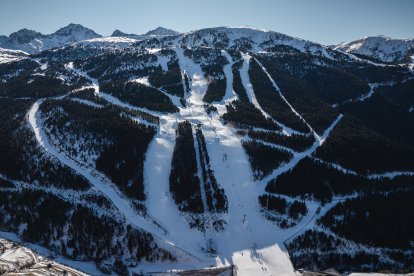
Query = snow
x=7 y=56
x=97 y=180
x=379 y=47
x=249 y=240
x=244 y=75
x=64 y=36
x=109 y=41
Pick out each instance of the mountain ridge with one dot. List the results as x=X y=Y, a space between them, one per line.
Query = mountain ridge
x=379 y=48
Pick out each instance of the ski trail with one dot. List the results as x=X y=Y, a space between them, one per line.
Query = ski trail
x=286 y=101
x=390 y=175
x=300 y=155
x=95 y=84
x=244 y=75
x=108 y=189
x=245 y=227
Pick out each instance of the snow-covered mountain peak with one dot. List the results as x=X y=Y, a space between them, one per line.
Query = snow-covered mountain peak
x=24 y=36
x=31 y=41
x=248 y=39
x=77 y=31
x=383 y=48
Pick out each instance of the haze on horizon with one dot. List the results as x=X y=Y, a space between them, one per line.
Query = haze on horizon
x=324 y=21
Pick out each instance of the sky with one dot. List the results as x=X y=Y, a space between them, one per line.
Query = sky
x=323 y=21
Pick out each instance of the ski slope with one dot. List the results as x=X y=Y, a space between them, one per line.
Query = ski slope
x=249 y=241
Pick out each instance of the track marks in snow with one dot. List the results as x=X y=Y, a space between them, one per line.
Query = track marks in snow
x=286 y=101
x=244 y=75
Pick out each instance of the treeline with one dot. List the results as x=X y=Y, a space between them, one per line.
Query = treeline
x=139 y=95
x=118 y=65
x=317 y=251
x=246 y=115
x=170 y=80
x=386 y=111
x=22 y=158
x=89 y=95
x=122 y=159
x=74 y=230
x=381 y=220
x=237 y=82
x=295 y=210
x=270 y=100
x=356 y=147
x=33 y=86
x=311 y=179
x=184 y=182
x=216 y=198
x=294 y=141
x=315 y=111
x=264 y=159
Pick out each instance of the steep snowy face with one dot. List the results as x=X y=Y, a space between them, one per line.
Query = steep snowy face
x=32 y=41
x=247 y=39
x=75 y=32
x=380 y=47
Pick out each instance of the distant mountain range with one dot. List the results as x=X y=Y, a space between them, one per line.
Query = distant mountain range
x=377 y=48
x=32 y=41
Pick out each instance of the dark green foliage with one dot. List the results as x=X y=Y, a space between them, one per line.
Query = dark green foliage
x=4 y=183
x=270 y=100
x=296 y=142
x=123 y=159
x=316 y=251
x=21 y=157
x=184 y=182
x=73 y=230
x=139 y=95
x=216 y=198
x=264 y=159
x=382 y=220
x=245 y=115
x=311 y=179
x=294 y=210
x=273 y=203
x=237 y=82
x=356 y=147
x=387 y=112
x=118 y=65
x=316 y=112
x=297 y=209
x=216 y=90
x=210 y=109
x=170 y=80
x=33 y=87
x=401 y=93
x=88 y=94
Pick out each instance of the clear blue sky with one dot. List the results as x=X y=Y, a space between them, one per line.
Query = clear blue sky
x=323 y=21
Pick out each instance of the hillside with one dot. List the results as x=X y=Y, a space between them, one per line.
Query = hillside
x=221 y=147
